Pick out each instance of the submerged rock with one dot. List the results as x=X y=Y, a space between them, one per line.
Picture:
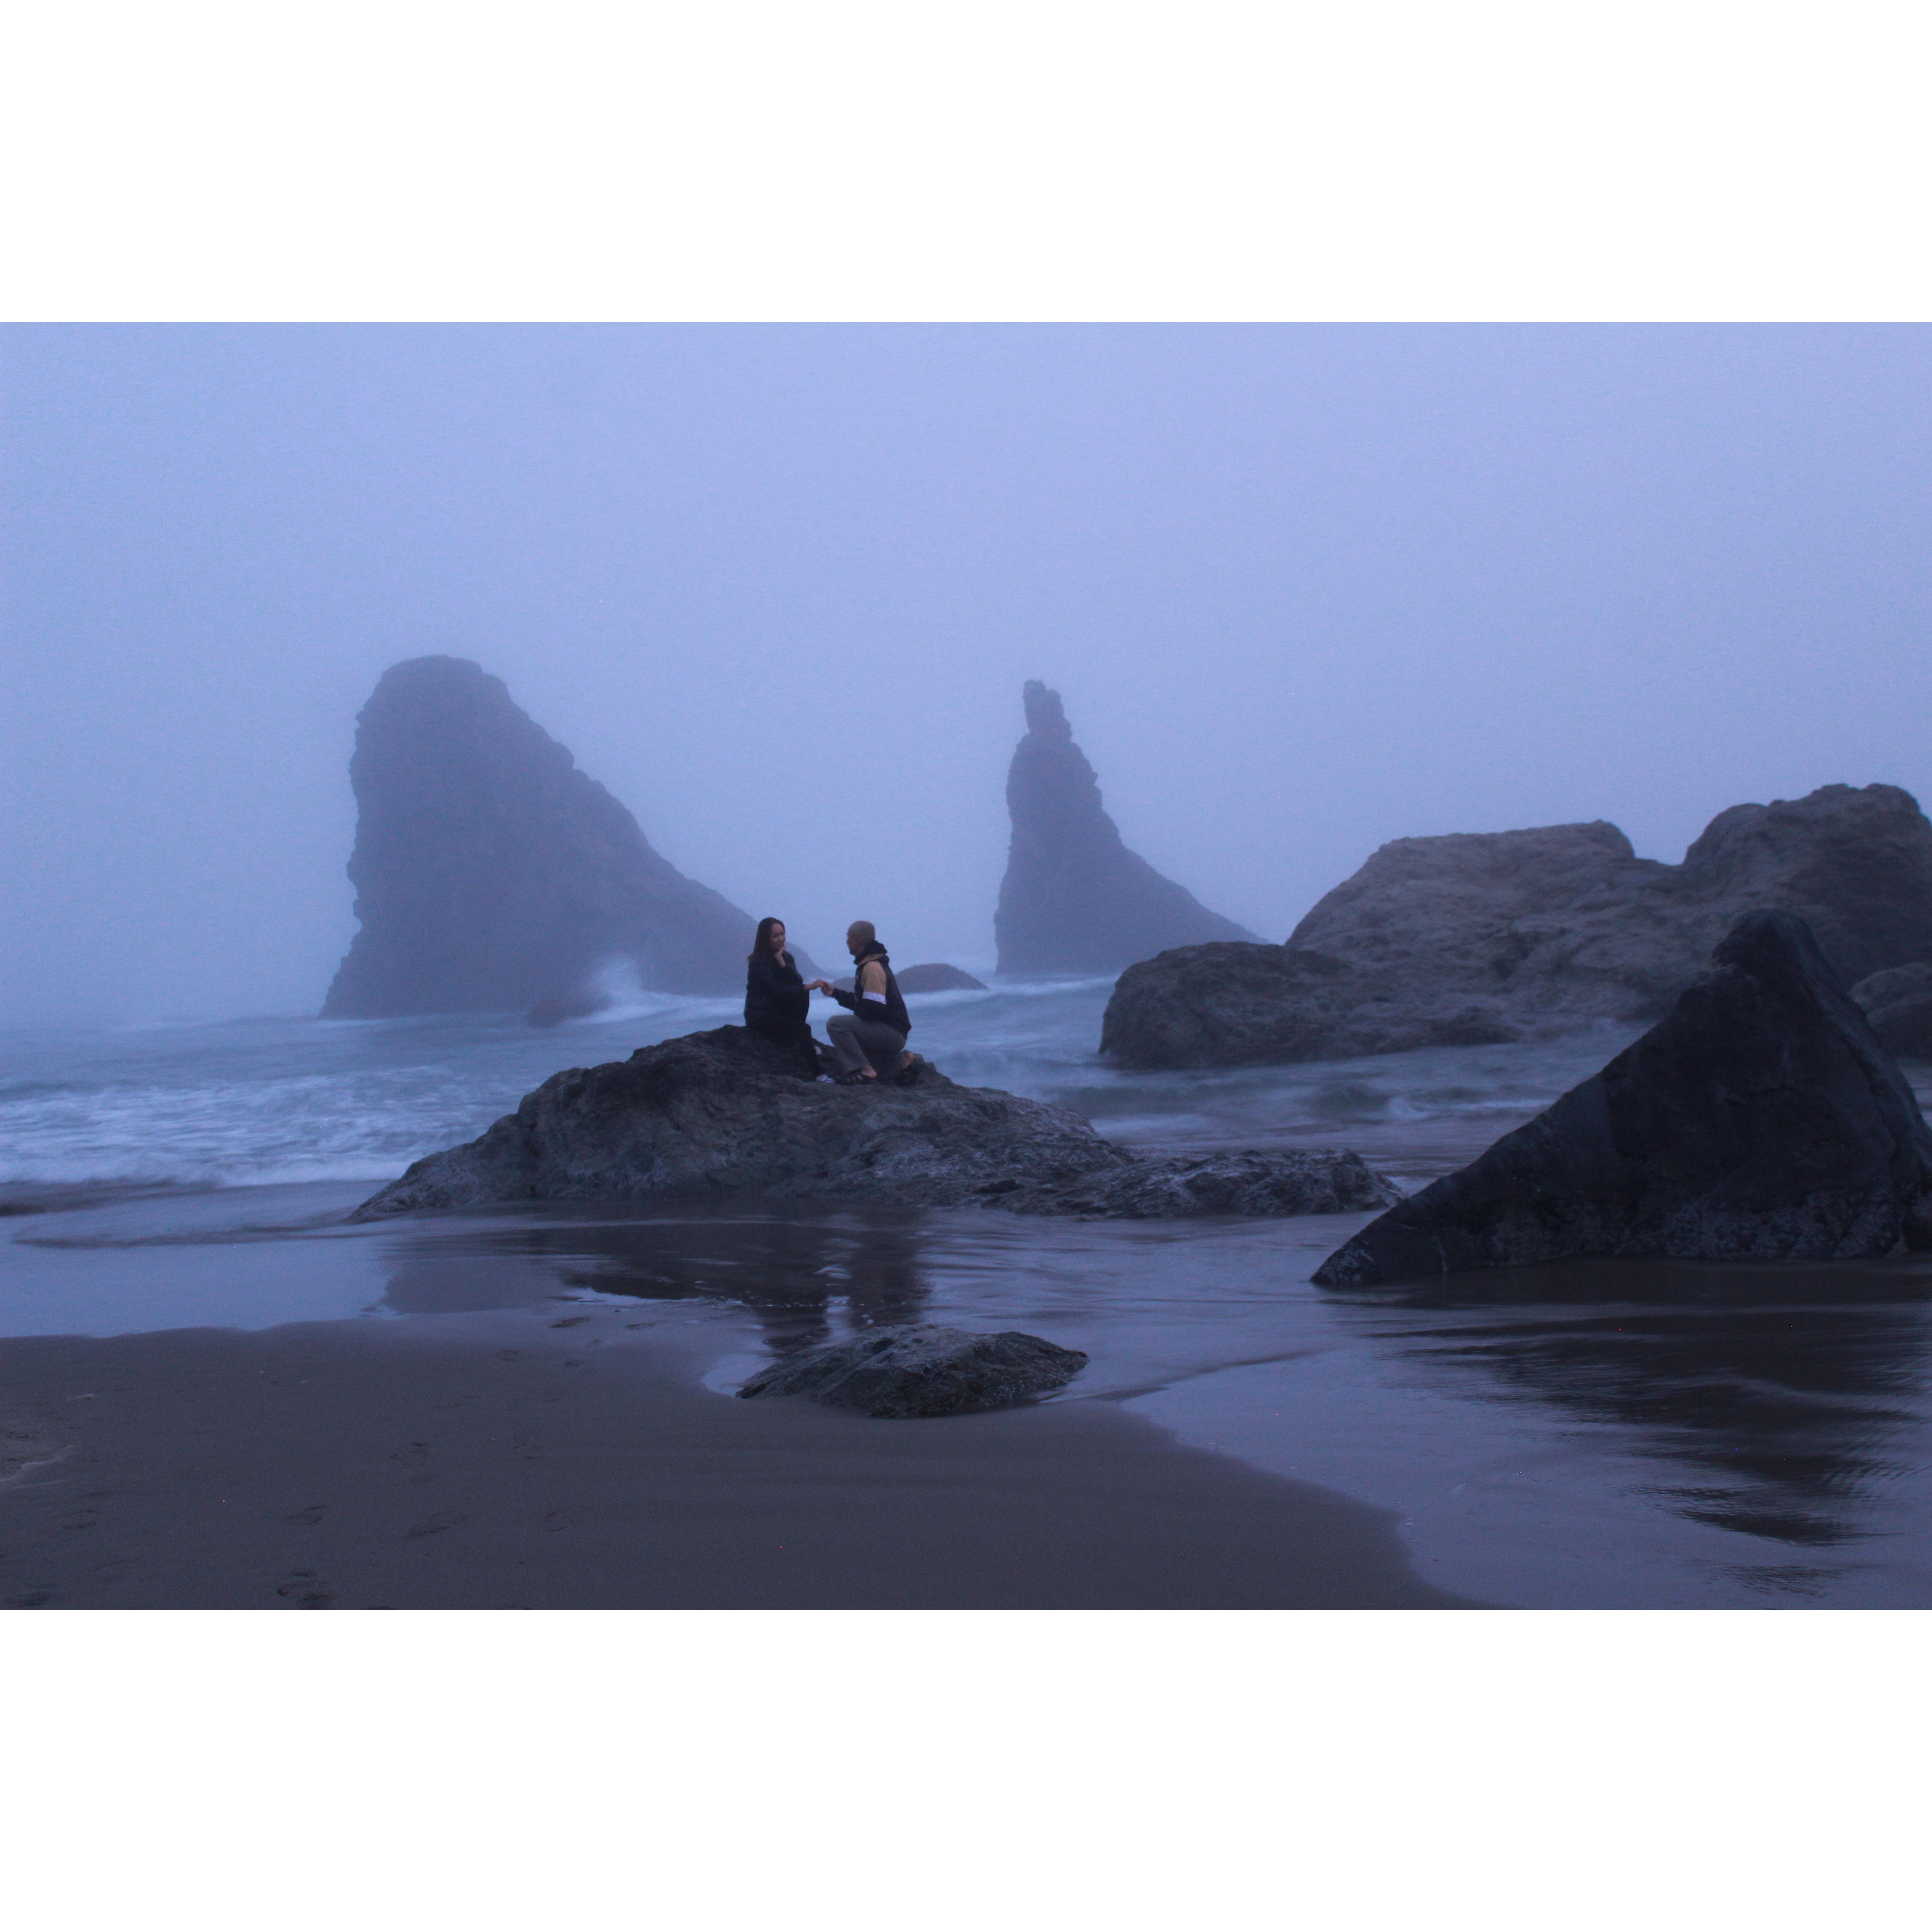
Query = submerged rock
x=937 y=978
x=1074 y=898
x=1481 y=937
x=1898 y=1003
x=1761 y=1118
x=493 y=876
x=725 y=1110
x=580 y=1005
x=1321 y=1181
x=923 y=1370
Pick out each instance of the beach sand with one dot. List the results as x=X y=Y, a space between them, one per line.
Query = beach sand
x=506 y=1460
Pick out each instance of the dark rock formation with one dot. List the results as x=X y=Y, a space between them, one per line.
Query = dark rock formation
x=1075 y=899
x=492 y=875
x=1898 y=1003
x=1478 y=937
x=1761 y=1118
x=937 y=978
x=725 y=1110
x=899 y=1373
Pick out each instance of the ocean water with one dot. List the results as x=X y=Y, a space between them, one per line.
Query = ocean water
x=1614 y=1435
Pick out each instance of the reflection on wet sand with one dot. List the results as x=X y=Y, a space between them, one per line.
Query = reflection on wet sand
x=786 y=1268
x=1795 y=1385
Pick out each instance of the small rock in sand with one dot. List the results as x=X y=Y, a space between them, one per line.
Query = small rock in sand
x=923 y=1369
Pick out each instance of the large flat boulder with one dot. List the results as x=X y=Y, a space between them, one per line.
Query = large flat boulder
x=492 y=876
x=1761 y=1118
x=1075 y=899
x=923 y=1369
x=1479 y=937
x=724 y=1111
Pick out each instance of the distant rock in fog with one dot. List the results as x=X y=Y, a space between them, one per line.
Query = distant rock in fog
x=933 y=977
x=938 y=978
x=1075 y=899
x=1761 y=1118
x=1478 y=936
x=493 y=876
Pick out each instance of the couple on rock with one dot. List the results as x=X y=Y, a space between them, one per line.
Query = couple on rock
x=868 y=1038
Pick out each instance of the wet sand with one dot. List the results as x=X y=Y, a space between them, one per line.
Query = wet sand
x=506 y=1461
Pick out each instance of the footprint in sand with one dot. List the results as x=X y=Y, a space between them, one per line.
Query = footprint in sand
x=434 y=1525
x=311 y=1515
x=306 y=1590
x=571 y=1321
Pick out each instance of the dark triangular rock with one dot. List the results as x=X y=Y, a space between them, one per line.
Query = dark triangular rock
x=1761 y=1116
x=1075 y=899
x=492 y=875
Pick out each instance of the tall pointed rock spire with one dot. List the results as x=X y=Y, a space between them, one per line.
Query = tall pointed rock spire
x=1075 y=899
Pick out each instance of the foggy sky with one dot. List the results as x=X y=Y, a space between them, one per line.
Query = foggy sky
x=1303 y=589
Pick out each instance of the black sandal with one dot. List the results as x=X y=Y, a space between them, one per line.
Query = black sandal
x=855 y=1078
x=908 y=1074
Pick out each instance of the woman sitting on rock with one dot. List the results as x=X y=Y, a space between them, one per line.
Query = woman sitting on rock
x=777 y=1000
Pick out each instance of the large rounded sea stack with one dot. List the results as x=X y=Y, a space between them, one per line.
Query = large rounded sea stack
x=1473 y=938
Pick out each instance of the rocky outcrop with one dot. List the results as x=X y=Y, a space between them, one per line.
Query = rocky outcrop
x=937 y=978
x=724 y=1111
x=1898 y=1003
x=1075 y=899
x=1479 y=937
x=492 y=875
x=896 y=1374
x=1761 y=1118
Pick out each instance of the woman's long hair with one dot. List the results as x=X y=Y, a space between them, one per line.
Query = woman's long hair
x=761 y=947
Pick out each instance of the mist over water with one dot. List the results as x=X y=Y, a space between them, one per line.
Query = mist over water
x=1304 y=589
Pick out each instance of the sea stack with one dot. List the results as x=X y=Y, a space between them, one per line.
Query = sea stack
x=1075 y=899
x=1472 y=938
x=1761 y=1118
x=492 y=876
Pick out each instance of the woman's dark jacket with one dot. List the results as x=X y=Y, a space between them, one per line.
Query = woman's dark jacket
x=777 y=1002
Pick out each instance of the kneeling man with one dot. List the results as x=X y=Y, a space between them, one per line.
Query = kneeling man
x=871 y=1033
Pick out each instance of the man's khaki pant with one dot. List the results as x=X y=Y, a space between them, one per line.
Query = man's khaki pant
x=858 y=1042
